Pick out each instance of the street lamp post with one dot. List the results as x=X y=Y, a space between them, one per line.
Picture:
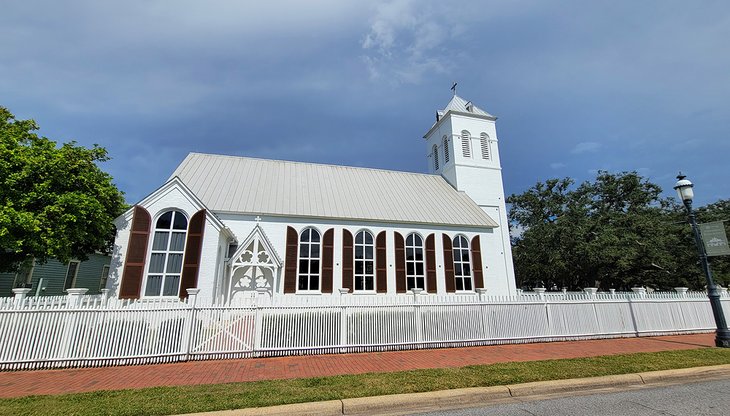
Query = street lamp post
x=722 y=335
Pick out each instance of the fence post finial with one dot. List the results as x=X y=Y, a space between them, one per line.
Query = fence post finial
x=20 y=294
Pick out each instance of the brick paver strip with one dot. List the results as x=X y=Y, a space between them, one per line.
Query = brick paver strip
x=24 y=383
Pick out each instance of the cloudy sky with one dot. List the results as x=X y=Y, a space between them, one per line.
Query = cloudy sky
x=578 y=86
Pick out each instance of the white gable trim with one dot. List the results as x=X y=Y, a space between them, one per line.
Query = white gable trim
x=176 y=183
x=259 y=233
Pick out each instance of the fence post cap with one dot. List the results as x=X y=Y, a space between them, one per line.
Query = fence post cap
x=21 y=291
x=77 y=291
x=192 y=291
x=590 y=290
x=344 y=291
x=481 y=290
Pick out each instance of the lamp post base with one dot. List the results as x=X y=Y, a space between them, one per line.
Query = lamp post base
x=722 y=343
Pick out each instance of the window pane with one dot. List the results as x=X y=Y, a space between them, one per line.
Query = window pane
x=305 y=236
x=154 y=283
x=181 y=223
x=410 y=269
x=410 y=283
x=467 y=284
x=417 y=240
x=419 y=283
x=457 y=269
x=165 y=221
x=368 y=267
x=358 y=252
x=419 y=254
x=315 y=251
x=314 y=282
x=302 y=282
x=157 y=263
x=409 y=254
x=304 y=250
x=177 y=242
x=174 y=263
x=358 y=283
x=459 y=284
x=160 y=241
x=171 y=286
x=359 y=237
x=314 y=266
x=369 y=283
x=419 y=269
x=467 y=269
x=368 y=238
x=409 y=240
x=315 y=236
x=465 y=256
x=368 y=252
x=358 y=267
x=303 y=266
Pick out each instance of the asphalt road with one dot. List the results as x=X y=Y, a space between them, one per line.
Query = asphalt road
x=692 y=399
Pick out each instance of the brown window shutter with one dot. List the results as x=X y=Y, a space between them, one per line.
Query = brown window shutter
x=431 y=264
x=328 y=251
x=400 y=264
x=139 y=236
x=290 y=264
x=381 y=264
x=476 y=259
x=449 y=264
x=193 y=252
x=347 y=260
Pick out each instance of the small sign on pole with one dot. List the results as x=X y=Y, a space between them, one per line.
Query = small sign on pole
x=715 y=239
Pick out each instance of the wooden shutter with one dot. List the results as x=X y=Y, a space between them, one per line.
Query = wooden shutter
x=290 y=264
x=347 y=261
x=449 y=264
x=134 y=262
x=328 y=250
x=381 y=264
x=476 y=261
x=400 y=264
x=431 y=264
x=193 y=252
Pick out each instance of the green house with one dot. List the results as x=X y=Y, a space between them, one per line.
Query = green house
x=54 y=277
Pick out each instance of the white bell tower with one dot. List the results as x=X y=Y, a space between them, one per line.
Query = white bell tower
x=462 y=147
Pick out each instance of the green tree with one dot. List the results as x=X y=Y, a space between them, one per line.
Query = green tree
x=614 y=232
x=55 y=201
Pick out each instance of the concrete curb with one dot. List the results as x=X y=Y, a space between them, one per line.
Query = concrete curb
x=398 y=404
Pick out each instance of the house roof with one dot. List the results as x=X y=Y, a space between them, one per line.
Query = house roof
x=459 y=104
x=275 y=187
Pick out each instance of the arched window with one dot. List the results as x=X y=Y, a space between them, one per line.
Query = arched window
x=309 y=260
x=466 y=143
x=415 y=269
x=364 y=262
x=166 y=258
x=446 y=149
x=435 y=157
x=484 y=140
x=462 y=265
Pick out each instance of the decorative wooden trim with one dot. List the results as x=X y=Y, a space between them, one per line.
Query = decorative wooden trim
x=400 y=263
x=431 y=263
x=449 y=264
x=328 y=256
x=193 y=253
x=476 y=260
x=348 y=266
x=381 y=264
x=139 y=236
x=290 y=263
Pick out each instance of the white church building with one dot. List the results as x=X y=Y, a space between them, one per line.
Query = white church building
x=234 y=226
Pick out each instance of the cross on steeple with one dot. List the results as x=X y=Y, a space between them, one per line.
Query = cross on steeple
x=453 y=88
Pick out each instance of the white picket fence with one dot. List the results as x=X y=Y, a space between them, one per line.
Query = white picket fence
x=80 y=330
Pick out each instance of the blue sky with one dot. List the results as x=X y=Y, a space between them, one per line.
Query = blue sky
x=578 y=86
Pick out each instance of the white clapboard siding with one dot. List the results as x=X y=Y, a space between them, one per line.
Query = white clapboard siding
x=54 y=332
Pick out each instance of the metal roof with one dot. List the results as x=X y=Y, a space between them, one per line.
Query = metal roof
x=459 y=104
x=275 y=187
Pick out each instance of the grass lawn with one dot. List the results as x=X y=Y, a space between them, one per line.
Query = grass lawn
x=189 y=399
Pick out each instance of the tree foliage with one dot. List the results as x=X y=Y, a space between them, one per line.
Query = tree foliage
x=55 y=201
x=613 y=232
